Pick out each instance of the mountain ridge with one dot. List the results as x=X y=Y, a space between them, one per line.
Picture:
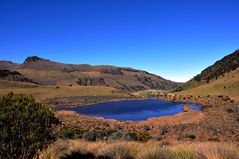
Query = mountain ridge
x=46 y=72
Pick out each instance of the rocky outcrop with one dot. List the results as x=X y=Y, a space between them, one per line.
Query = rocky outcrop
x=14 y=76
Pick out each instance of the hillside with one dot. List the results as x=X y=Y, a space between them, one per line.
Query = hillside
x=49 y=73
x=14 y=76
x=222 y=78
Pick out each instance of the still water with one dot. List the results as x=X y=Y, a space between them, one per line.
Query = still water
x=132 y=109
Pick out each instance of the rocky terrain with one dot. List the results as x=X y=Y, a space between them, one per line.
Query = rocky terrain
x=46 y=72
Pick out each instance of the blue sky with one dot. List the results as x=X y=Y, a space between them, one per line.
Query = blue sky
x=175 y=39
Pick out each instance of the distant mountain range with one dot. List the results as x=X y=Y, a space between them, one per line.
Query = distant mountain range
x=46 y=72
x=220 y=78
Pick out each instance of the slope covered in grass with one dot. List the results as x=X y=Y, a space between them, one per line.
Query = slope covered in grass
x=228 y=84
x=41 y=93
x=221 y=78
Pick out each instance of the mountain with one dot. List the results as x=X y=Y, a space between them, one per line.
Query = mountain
x=220 y=78
x=46 y=72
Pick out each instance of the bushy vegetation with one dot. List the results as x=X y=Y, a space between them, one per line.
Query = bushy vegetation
x=120 y=136
x=93 y=135
x=25 y=126
x=68 y=133
x=98 y=135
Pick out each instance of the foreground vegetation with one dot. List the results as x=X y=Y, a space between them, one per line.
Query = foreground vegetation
x=66 y=149
x=25 y=126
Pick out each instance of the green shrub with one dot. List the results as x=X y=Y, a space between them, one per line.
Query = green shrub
x=229 y=110
x=89 y=136
x=25 y=126
x=143 y=136
x=93 y=135
x=119 y=136
x=68 y=133
x=192 y=136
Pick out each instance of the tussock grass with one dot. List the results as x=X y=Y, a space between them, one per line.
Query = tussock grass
x=182 y=152
x=216 y=151
x=116 y=151
x=64 y=149
x=156 y=153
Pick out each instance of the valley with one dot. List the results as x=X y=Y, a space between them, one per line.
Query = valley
x=217 y=121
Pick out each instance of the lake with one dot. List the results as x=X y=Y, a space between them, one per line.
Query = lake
x=135 y=110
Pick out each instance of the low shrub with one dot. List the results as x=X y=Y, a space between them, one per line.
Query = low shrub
x=89 y=136
x=119 y=135
x=229 y=110
x=93 y=135
x=191 y=136
x=143 y=136
x=68 y=133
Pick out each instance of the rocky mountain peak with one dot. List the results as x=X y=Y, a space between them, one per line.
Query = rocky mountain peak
x=33 y=59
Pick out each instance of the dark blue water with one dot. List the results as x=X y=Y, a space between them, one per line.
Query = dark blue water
x=132 y=109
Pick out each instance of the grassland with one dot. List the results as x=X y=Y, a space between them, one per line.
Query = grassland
x=41 y=93
x=130 y=150
x=225 y=85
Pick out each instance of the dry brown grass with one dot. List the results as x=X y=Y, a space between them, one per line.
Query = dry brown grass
x=156 y=153
x=148 y=150
x=116 y=151
x=216 y=151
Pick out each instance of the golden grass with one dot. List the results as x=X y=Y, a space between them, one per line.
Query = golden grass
x=216 y=151
x=136 y=150
x=41 y=93
x=227 y=85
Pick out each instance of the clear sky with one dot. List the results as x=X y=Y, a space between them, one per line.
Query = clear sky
x=175 y=39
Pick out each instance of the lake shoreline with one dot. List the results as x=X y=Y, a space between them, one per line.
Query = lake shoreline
x=182 y=117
